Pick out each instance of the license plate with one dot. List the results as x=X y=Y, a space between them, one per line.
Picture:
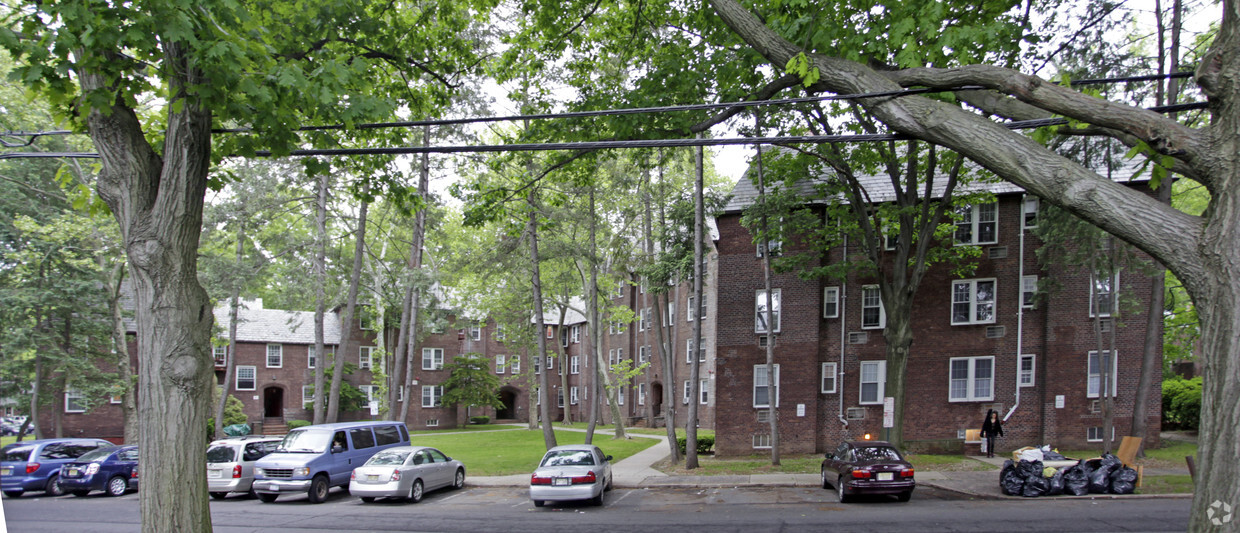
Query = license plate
x=274 y=488
x=215 y=473
x=372 y=477
x=884 y=476
x=561 y=481
x=73 y=472
x=5 y=471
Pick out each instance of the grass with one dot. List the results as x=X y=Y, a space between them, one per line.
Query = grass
x=946 y=463
x=1170 y=455
x=1174 y=484
x=516 y=451
x=709 y=465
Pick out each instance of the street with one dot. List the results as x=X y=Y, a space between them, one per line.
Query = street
x=748 y=509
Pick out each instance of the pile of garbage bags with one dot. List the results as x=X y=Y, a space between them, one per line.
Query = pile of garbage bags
x=1030 y=479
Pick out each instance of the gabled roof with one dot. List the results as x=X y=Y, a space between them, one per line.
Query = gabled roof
x=256 y=324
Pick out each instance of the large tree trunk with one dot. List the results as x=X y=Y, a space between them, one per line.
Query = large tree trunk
x=593 y=331
x=158 y=205
x=415 y=264
x=899 y=338
x=691 y=459
x=320 y=299
x=544 y=396
x=666 y=355
x=230 y=360
x=346 y=322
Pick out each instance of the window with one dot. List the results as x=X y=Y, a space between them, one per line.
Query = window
x=873 y=382
x=307 y=396
x=973 y=301
x=759 y=323
x=550 y=332
x=431 y=395
x=611 y=357
x=499 y=364
x=1028 y=290
x=641 y=394
x=559 y=398
x=365 y=323
x=573 y=396
x=620 y=396
x=703 y=391
x=831 y=302
x=400 y=393
x=432 y=358
x=828 y=378
x=576 y=334
x=370 y=391
x=643 y=354
x=514 y=364
x=619 y=354
x=1105 y=295
x=74 y=402
x=220 y=354
x=537 y=365
x=246 y=379
x=385 y=435
x=762 y=441
x=551 y=362
x=1095 y=374
x=644 y=322
x=275 y=355
x=310 y=356
x=1026 y=370
x=774 y=245
x=364 y=356
x=688 y=393
x=499 y=332
x=574 y=363
x=1094 y=434
x=701 y=350
x=977 y=224
x=693 y=312
x=761 y=387
x=972 y=379
x=433 y=422
x=1030 y=211
x=669 y=318
x=873 y=316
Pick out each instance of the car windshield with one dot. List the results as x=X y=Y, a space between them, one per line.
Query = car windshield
x=221 y=454
x=878 y=453
x=16 y=453
x=568 y=458
x=98 y=454
x=302 y=441
x=389 y=458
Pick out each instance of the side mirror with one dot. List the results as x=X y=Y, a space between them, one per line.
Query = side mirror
x=830 y=456
x=336 y=448
x=607 y=458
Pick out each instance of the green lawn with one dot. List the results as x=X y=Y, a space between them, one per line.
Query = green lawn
x=517 y=451
x=1170 y=455
x=1176 y=484
x=709 y=465
x=946 y=463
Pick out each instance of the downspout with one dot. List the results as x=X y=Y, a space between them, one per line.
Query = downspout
x=839 y=386
x=1020 y=309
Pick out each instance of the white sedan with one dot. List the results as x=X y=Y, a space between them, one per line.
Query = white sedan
x=406 y=472
x=573 y=472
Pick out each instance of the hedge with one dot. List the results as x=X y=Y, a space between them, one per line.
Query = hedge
x=704 y=444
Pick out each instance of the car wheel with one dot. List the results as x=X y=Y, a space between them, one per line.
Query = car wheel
x=609 y=482
x=80 y=493
x=13 y=493
x=219 y=495
x=539 y=503
x=459 y=481
x=53 y=486
x=117 y=486
x=842 y=491
x=904 y=496
x=318 y=489
x=368 y=499
x=825 y=484
x=416 y=492
x=267 y=498
x=597 y=501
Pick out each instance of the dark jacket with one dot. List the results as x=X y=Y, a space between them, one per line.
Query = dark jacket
x=991 y=428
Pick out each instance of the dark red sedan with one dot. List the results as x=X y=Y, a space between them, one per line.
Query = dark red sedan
x=867 y=467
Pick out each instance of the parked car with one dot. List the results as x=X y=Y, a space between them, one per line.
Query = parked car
x=113 y=470
x=313 y=459
x=867 y=467
x=230 y=463
x=406 y=472
x=35 y=465
x=571 y=472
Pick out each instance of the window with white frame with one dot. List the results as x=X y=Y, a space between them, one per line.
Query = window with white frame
x=760 y=311
x=873 y=316
x=703 y=391
x=514 y=364
x=220 y=354
x=275 y=355
x=643 y=323
x=310 y=356
x=620 y=396
x=431 y=395
x=701 y=350
x=641 y=394
x=774 y=245
x=499 y=364
x=1029 y=211
x=432 y=422
x=246 y=378
x=365 y=323
x=307 y=396
x=978 y=224
x=576 y=333
x=575 y=365
x=688 y=393
x=619 y=355
x=1095 y=374
x=762 y=387
x=828 y=378
x=475 y=332
x=537 y=364
x=400 y=393
x=365 y=356
x=573 y=395
x=432 y=358
x=972 y=379
x=643 y=354
x=831 y=302
x=973 y=301
x=550 y=332
x=611 y=357
x=564 y=337
x=694 y=312
x=611 y=327
x=559 y=398
x=1094 y=434
x=499 y=332
x=873 y=382
x=762 y=441
x=1028 y=291
x=370 y=391
x=1027 y=370
x=74 y=401
x=1102 y=299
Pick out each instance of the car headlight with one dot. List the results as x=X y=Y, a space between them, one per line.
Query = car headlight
x=301 y=472
x=258 y=471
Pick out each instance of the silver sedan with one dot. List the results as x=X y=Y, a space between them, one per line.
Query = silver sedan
x=573 y=472
x=406 y=472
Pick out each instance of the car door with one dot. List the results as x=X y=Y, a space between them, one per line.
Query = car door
x=127 y=464
x=443 y=472
x=604 y=466
x=361 y=447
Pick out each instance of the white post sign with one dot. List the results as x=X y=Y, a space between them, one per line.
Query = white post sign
x=889 y=412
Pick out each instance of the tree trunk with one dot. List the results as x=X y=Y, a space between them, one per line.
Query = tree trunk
x=120 y=342
x=593 y=331
x=35 y=391
x=771 y=385
x=562 y=353
x=320 y=300
x=899 y=338
x=396 y=379
x=230 y=360
x=415 y=264
x=544 y=407
x=691 y=459
x=346 y=323
x=665 y=355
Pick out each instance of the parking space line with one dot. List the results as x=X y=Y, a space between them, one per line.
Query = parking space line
x=623 y=496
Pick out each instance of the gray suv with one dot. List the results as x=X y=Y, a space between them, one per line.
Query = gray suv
x=230 y=463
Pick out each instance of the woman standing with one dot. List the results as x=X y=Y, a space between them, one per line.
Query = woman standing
x=991 y=429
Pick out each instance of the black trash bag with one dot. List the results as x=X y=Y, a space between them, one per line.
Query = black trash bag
x=1056 y=484
x=1076 y=480
x=1010 y=480
x=1035 y=486
x=1030 y=469
x=1052 y=456
x=1123 y=480
x=1100 y=478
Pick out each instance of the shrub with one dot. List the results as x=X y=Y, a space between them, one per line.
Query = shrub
x=704 y=444
x=294 y=424
x=1182 y=402
x=479 y=420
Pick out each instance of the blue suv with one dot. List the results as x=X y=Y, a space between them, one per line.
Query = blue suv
x=35 y=465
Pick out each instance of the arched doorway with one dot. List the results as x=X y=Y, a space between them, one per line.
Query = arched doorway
x=507 y=396
x=656 y=399
x=273 y=402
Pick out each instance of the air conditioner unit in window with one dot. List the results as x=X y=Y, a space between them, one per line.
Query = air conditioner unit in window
x=1095 y=406
x=764 y=415
x=856 y=413
x=762 y=340
x=996 y=252
x=1105 y=325
x=858 y=337
x=995 y=332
